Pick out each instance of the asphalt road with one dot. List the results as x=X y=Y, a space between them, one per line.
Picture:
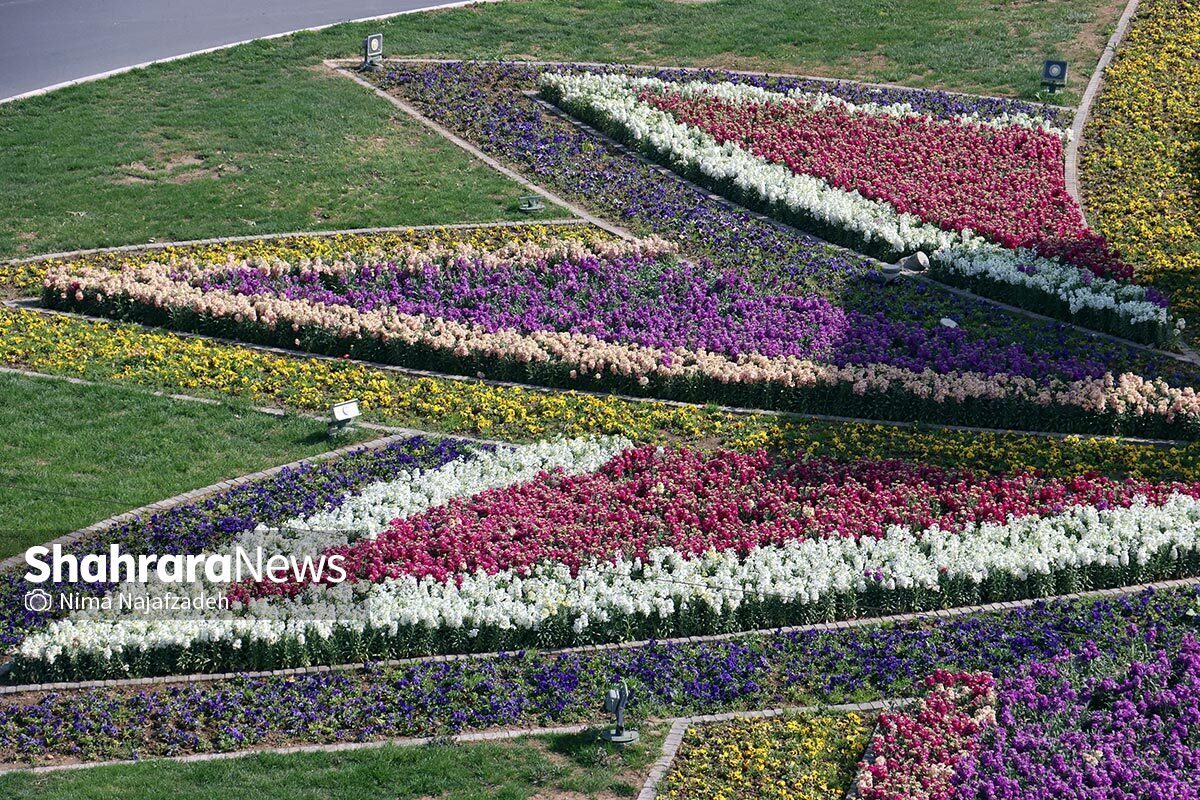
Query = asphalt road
x=45 y=42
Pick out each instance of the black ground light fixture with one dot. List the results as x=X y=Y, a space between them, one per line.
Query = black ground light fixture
x=372 y=52
x=1054 y=75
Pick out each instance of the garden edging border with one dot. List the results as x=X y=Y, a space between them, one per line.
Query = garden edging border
x=122 y=70
x=339 y=66
x=128 y=248
x=10 y=563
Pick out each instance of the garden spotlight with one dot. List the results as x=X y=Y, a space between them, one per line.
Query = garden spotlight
x=372 y=52
x=1054 y=75
x=531 y=204
x=342 y=414
x=917 y=262
x=615 y=701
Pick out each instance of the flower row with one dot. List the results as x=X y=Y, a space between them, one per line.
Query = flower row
x=1103 y=403
x=631 y=293
x=25 y=278
x=617 y=105
x=162 y=360
x=671 y=550
x=665 y=679
x=790 y=758
x=914 y=754
x=690 y=502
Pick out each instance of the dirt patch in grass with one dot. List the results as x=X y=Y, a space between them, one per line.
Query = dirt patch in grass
x=1094 y=35
x=175 y=168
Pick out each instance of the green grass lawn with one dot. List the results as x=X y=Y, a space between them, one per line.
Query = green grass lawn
x=555 y=766
x=74 y=454
x=258 y=139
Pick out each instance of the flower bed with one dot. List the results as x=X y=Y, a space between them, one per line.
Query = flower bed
x=666 y=679
x=26 y=278
x=626 y=317
x=615 y=543
x=1138 y=159
x=161 y=360
x=1074 y=726
x=779 y=153
x=484 y=103
x=914 y=754
x=797 y=758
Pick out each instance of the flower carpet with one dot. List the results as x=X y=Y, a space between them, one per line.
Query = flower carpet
x=637 y=318
x=617 y=525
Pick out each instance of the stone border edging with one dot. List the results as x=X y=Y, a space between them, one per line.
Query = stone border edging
x=659 y=769
x=128 y=248
x=338 y=65
x=848 y=624
x=273 y=411
x=749 y=72
x=867 y=757
x=679 y=726
x=1083 y=112
x=31 y=305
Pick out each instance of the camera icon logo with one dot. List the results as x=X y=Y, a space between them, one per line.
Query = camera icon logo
x=38 y=600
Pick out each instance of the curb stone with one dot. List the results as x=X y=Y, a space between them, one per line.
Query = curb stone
x=446 y=133
x=129 y=248
x=752 y=73
x=274 y=411
x=12 y=562
x=121 y=70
